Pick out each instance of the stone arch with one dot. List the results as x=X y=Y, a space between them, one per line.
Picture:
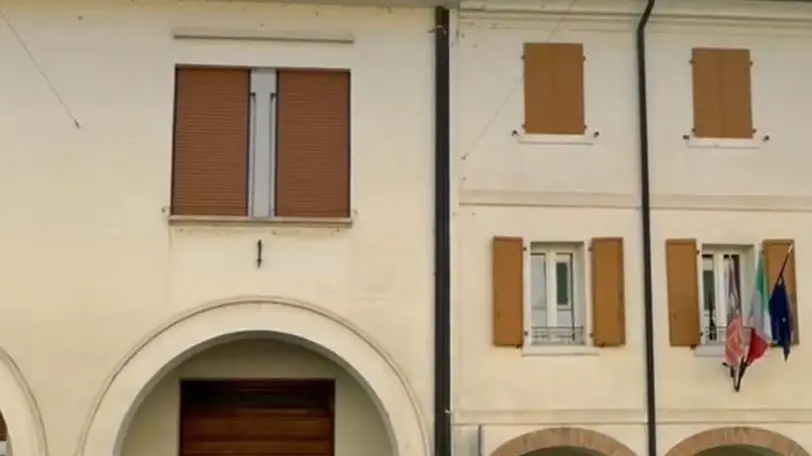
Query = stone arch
x=563 y=437
x=20 y=410
x=737 y=435
x=199 y=328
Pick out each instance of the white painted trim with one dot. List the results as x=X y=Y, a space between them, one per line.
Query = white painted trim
x=216 y=33
x=216 y=221
x=547 y=199
x=731 y=10
x=584 y=417
x=754 y=203
x=568 y=140
x=721 y=144
x=21 y=410
x=560 y=350
x=580 y=307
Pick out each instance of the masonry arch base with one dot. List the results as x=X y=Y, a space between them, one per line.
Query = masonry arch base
x=737 y=441
x=563 y=441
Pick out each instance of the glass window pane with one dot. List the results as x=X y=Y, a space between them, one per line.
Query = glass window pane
x=565 y=315
x=563 y=280
x=538 y=289
x=734 y=258
x=708 y=285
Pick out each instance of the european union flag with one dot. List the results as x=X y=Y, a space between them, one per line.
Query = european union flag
x=781 y=317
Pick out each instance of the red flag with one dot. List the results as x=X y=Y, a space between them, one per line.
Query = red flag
x=734 y=346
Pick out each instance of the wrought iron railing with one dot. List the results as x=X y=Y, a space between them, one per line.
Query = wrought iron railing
x=713 y=335
x=550 y=335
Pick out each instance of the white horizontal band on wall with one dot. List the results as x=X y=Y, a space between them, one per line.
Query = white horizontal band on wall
x=216 y=33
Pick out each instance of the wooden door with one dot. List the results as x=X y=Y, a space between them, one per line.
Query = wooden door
x=257 y=418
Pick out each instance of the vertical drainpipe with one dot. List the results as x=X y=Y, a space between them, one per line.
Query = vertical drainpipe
x=442 y=234
x=645 y=212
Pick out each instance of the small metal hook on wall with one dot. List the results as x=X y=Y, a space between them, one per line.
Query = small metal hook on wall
x=259 y=253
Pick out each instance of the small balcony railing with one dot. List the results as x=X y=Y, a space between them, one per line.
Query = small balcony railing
x=713 y=335
x=550 y=335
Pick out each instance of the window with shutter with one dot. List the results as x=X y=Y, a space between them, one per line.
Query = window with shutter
x=554 y=88
x=261 y=143
x=722 y=93
x=550 y=309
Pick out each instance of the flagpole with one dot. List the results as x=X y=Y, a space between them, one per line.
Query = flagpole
x=743 y=365
x=783 y=266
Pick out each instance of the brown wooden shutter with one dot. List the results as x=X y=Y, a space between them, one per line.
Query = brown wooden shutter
x=3 y=429
x=608 y=293
x=210 y=169
x=508 y=291
x=313 y=144
x=722 y=93
x=775 y=251
x=554 y=88
x=683 y=292
x=737 y=101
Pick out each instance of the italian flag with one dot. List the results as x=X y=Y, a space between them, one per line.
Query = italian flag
x=758 y=324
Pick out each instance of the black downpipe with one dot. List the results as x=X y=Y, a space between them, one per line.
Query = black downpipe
x=645 y=211
x=442 y=234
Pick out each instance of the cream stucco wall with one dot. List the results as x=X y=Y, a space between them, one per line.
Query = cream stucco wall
x=509 y=184
x=359 y=426
x=90 y=265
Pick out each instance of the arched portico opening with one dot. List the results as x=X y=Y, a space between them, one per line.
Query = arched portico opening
x=563 y=441
x=737 y=441
x=20 y=418
x=286 y=321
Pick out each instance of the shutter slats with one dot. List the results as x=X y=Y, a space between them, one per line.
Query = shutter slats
x=706 y=66
x=683 y=292
x=313 y=144
x=775 y=250
x=508 y=291
x=736 y=96
x=210 y=157
x=554 y=88
x=569 y=88
x=608 y=292
x=722 y=98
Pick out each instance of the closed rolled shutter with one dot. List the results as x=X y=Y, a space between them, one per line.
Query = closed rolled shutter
x=210 y=157
x=313 y=144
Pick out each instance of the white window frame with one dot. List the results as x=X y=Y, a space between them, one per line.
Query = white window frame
x=746 y=264
x=262 y=143
x=578 y=329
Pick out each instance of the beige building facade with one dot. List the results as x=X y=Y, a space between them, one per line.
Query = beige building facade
x=549 y=340
x=218 y=230
x=222 y=269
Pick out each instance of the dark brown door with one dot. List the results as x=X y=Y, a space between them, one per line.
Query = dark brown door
x=256 y=418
